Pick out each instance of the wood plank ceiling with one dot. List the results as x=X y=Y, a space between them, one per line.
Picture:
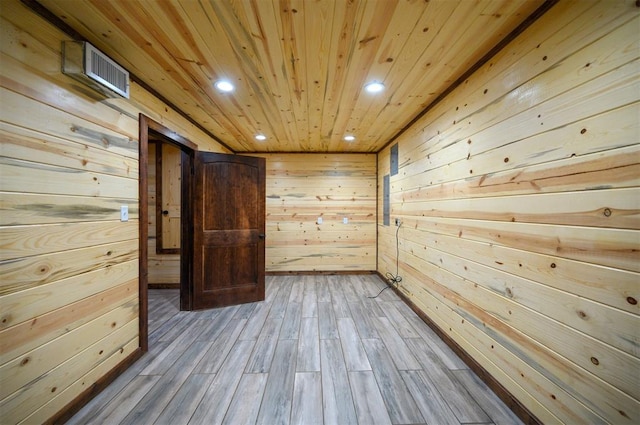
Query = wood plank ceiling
x=299 y=66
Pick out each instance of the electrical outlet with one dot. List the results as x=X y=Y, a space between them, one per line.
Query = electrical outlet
x=398 y=222
x=124 y=213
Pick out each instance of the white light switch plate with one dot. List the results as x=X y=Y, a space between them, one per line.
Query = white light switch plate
x=319 y=220
x=124 y=213
x=345 y=220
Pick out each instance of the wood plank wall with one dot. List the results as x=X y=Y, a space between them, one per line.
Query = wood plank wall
x=520 y=206
x=303 y=187
x=164 y=269
x=68 y=266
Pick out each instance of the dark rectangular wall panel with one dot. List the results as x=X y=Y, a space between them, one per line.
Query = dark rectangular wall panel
x=386 y=182
x=393 y=157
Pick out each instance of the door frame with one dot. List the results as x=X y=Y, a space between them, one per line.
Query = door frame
x=188 y=150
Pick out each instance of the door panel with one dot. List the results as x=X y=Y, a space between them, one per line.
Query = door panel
x=229 y=225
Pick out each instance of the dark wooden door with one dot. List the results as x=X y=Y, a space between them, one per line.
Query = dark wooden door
x=228 y=230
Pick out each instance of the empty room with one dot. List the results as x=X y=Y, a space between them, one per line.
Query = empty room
x=320 y=212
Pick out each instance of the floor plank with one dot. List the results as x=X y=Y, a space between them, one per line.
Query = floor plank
x=354 y=355
x=219 y=394
x=246 y=402
x=186 y=400
x=460 y=401
x=256 y=321
x=126 y=401
x=260 y=360
x=364 y=321
x=400 y=405
x=327 y=321
x=317 y=350
x=307 y=399
x=221 y=347
x=154 y=402
x=431 y=404
x=397 y=347
x=277 y=399
x=291 y=325
x=308 y=346
x=499 y=412
x=369 y=404
x=310 y=299
x=336 y=393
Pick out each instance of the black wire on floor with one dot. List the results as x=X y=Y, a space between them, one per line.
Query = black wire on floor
x=391 y=278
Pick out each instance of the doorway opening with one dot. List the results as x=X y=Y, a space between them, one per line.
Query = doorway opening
x=165 y=200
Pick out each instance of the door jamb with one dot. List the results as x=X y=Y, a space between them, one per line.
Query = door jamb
x=188 y=149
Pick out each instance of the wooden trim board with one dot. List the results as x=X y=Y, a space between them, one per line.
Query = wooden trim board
x=318 y=272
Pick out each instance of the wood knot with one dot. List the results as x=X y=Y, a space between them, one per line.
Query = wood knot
x=584 y=130
x=632 y=301
x=595 y=361
x=506 y=160
x=24 y=361
x=509 y=294
x=553 y=265
x=582 y=314
x=607 y=212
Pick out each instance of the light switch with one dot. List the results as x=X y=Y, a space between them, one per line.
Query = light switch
x=319 y=220
x=345 y=220
x=124 y=213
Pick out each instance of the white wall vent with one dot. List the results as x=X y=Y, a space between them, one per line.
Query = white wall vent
x=89 y=65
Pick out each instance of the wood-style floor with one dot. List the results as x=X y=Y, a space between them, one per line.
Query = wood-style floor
x=318 y=350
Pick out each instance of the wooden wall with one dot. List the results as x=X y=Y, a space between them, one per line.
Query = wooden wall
x=164 y=268
x=68 y=265
x=303 y=187
x=520 y=206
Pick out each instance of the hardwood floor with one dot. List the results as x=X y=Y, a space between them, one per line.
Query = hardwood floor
x=316 y=351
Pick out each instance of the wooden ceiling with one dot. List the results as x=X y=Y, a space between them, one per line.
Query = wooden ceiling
x=299 y=66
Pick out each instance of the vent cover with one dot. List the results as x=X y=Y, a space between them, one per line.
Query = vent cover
x=89 y=65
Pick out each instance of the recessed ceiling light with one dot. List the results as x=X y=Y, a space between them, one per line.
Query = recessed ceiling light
x=349 y=138
x=225 y=86
x=374 y=87
x=261 y=137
